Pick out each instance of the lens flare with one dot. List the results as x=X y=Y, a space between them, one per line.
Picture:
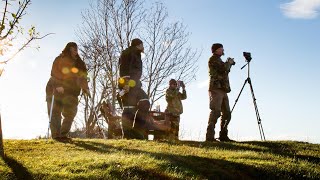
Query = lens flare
x=121 y=81
x=65 y=70
x=74 y=70
x=132 y=83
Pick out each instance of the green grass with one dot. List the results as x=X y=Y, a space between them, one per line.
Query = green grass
x=134 y=159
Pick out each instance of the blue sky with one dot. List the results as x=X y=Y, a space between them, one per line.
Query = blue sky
x=282 y=35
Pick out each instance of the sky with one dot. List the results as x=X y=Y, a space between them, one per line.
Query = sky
x=282 y=36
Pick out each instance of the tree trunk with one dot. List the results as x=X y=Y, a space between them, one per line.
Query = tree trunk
x=1 y=140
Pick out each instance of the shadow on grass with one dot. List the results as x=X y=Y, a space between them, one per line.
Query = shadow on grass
x=93 y=146
x=278 y=148
x=19 y=171
x=187 y=166
x=287 y=150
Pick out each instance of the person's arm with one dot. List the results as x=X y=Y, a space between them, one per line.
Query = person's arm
x=125 y=63
x=57 y=76
x=83 y=77
x=135 y=67
x=183 y=95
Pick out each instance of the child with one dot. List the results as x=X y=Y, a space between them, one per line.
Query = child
x=174 y=107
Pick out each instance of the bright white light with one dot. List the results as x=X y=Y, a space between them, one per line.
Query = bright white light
x=143 y=55
x=203 y=84
x=302 y=9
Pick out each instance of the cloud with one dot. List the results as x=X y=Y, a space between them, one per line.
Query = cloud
x=301 y=9
x=203 y=84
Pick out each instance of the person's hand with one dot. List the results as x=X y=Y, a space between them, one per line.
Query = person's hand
x=60 y=89
x=182 y=85
x=126 y=88
x=231 y=61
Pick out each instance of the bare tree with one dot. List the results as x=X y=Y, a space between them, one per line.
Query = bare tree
x=107 y=29
x=13 y=37
x=167 y=53
x=11 y=33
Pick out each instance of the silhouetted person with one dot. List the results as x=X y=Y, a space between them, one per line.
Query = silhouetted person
x=218 y=89
x=68 y=77
x=130 y=72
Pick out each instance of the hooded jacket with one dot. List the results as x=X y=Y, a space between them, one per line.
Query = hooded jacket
x=71 y=74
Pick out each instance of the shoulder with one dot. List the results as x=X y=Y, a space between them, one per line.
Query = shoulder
x=170 y=91
x=80 y=61
x=127 y=52
x=213 y=58
x=58 y=59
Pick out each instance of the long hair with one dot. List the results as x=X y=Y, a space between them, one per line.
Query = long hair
x=66 y=50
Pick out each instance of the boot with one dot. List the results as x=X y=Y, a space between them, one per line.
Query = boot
x=211 y=126
x=224 y=136
x=210 y=135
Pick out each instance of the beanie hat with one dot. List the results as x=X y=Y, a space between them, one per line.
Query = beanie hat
x=135 y=42
x=216 y=46
x=172 y=81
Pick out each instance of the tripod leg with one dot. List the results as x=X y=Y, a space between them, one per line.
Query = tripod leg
x=257 y=112
x=239 y=94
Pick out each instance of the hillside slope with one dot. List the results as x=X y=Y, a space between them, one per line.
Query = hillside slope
x=134 y=159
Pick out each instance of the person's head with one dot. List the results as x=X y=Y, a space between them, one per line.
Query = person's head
x=138 y=44
x=217 y=49
x=71 y=50
x=173 y=84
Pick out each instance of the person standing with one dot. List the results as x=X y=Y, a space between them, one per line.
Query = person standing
x=218 y=88
x=134 y=101
x=175 y=108
x=68 y=78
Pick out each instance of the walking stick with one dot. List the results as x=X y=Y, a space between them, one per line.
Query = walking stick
x=51 y=107
x=1 y=141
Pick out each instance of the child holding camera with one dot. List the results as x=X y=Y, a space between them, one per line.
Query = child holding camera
x=174 y=107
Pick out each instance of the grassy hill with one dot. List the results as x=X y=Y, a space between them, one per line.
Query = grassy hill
x=134 y=159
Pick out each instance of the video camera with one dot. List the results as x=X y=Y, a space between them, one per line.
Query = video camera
x=247 y=55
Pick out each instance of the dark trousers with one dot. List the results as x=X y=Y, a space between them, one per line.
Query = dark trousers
x=134 y=127
x=219 y=105
x=137 y=130
x=65 y=106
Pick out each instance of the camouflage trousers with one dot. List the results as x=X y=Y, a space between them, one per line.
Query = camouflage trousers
x=219 y=105
x=66 y=106
x=174 y=130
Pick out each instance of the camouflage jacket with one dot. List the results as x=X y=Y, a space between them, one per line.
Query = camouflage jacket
x=173 y=98
x=218 y=72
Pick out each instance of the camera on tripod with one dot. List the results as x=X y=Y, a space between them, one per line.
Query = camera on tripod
x=247 y=55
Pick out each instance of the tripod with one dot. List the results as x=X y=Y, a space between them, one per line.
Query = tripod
x=248 y=80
